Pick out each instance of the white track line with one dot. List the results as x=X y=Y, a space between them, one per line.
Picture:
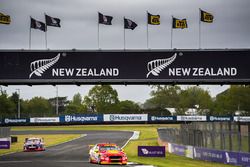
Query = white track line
x=135 y=136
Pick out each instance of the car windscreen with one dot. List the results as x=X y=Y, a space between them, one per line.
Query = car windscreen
x=106 y=148
x=33 y=140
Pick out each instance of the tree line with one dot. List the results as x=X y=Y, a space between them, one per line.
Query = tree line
x=103 y=99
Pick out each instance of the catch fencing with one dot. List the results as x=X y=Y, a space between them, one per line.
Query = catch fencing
x=4 y=132
x=229 y=136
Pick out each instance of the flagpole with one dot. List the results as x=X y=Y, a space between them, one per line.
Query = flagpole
x=30 y=35
x=172 y=33
x=98 y=33
x=199 y=28
x=147 y=29
x=45 y=32
x=124 y=34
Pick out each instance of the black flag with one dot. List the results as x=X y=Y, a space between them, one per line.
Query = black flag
x=37 y=24
x=103 y=19
x=129 y=24
x=51 y=21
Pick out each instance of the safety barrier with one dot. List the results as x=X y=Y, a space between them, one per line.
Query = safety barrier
x=206 y=154
x=121 y=118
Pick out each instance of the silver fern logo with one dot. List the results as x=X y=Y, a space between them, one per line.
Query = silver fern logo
x=38 y=67
x=156 y=66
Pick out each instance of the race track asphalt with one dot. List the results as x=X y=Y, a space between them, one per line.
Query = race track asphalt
x=70 y=154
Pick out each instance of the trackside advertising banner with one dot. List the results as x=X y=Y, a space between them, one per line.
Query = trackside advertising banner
x=166 y=66
x=220 y=118
x=205 y=154
x=5 y=143
x=44 y=120
x=125 y=117
x=226 y=157
x=151 y=151
x=241 y=119
x=81 y=118
x=16 y=121
x=162 y=118
x=181 y=150
x=191 y=118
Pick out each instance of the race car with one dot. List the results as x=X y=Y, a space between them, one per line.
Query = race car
x=106 y=153
x=33 y=144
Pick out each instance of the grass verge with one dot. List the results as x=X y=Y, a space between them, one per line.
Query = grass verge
x=50 y=140
x=148 y=137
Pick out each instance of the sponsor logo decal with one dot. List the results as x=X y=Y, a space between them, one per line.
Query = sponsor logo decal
x=162 y=118
x=69 y=118
x=125 y=117
x=242 y=119
x=191 y=118
x=44 y=119
x=230 y=159
x=144 y=151
x=156 y=66
x=151 y=151
x=214 y=118
x=38 y=67
x=7 y=120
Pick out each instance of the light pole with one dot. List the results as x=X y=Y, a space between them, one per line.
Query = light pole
x=18 y=105
x=56 y=100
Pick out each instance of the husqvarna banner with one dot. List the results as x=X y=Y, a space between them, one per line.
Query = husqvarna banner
x=44 y=120
x=16 y=121
x=81 y=118
x=169 y=66
x=125 y=117
x=191 y=118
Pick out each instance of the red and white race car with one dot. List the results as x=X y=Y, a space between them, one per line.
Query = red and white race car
x=33 y=144
x=106 y=153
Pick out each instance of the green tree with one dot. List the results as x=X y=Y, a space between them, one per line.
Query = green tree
x=163 y=97
x=14 y=98
x=128 y=107
x=236 y=98
x=62 y=103
x=195 y=97
x=7 y=106
x=102 y=99
x=76 y=106
x=40 y=107
x=77 y=99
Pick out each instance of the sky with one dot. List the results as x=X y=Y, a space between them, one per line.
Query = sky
x=79 y=28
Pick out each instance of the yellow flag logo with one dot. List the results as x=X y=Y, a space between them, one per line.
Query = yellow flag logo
x=4 y=19
x=206 y=17
x=153 y=19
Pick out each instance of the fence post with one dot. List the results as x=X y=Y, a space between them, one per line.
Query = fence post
x=221 y=136
x=206 y=136
x=248 y=137
x=213 y=137
x=239 y=136
x=230 y=135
